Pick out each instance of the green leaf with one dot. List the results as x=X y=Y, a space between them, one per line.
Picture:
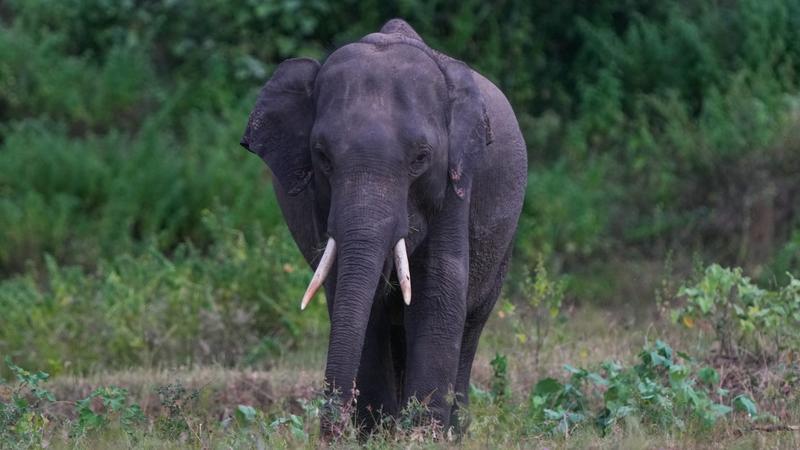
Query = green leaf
x=479 y=394
x=619 y=392
x=21 y=403
x=114 y=398
x=708 y=375
x=44 y=394
x=657 y=360
x=132 y=415
x=705 y=303
x=537 y=401
x=746 y=404
x=89 y=420
x=597 y=379
x=547 y=387
x=678 y=374
x=278 y=422
x=624 y=411
x=246 y=414
x=720 y=410
x=664 y=349
x=550 y=414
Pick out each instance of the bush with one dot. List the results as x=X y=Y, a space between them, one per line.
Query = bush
x=234 y=304
x=22 y=418
x=99 y=196
x=538 y=299
x=38 y=80
x=666 y=391
x=743 y=316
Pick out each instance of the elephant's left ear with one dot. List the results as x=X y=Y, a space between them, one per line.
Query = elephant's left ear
x=280 y=123
x=469 y=128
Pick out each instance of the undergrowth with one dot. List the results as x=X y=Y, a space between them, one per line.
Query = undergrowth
x=224 y=305
x=666 y=392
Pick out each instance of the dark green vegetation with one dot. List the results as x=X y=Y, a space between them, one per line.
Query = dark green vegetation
x=135 y=232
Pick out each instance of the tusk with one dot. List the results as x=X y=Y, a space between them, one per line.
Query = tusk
x=324 y=266
x=403 y=274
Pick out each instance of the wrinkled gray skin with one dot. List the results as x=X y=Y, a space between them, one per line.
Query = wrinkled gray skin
x=389 y=139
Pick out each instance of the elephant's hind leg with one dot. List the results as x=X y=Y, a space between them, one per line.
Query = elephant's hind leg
x=473 y=327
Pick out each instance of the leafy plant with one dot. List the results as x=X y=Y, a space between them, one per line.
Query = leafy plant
x=665 y=390
x=175 y=399
x=115 y=407
x=22 y=419
x=500 y=389
x=154 y=308
x=544 y=296
x=295 y=425
x=743 y=315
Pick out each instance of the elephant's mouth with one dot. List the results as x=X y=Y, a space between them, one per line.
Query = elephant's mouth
x=329 y=256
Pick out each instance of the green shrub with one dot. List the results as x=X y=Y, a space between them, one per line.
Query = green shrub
x=500 y=389
x=23 y=421
x=664 y=391
x=38 y=80
x=116 y=408
x=83 y=199
x=235 y=303
x=743 y=315
x=535 y=307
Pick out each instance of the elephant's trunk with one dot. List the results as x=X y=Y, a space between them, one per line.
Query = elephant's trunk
x=360 y=262
x=367 y=221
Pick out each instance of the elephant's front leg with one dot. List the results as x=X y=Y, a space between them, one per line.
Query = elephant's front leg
x=434 y=324
x=376 y=377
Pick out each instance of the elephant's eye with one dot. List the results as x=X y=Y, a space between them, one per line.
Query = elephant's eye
x=421 y=159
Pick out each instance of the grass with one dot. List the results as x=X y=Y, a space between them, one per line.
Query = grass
x=211 y=418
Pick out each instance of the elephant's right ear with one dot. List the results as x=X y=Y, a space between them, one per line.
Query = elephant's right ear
x=280 y=124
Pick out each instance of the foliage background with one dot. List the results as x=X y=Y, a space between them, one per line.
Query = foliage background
x=131 y=219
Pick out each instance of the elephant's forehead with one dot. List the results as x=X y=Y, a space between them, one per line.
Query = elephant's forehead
x=388 y=79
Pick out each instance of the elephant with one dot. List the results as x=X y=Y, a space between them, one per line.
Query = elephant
x=401 y=174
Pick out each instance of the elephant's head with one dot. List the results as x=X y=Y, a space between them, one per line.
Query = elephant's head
x=384 y=130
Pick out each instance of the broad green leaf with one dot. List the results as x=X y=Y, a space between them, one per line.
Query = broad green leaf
x=708 y=376
x=720 y=410
x=547 y=386
x=597 y=379
x=746 y=404
x=678 y=373
x=246 y=414
x=550 y=414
